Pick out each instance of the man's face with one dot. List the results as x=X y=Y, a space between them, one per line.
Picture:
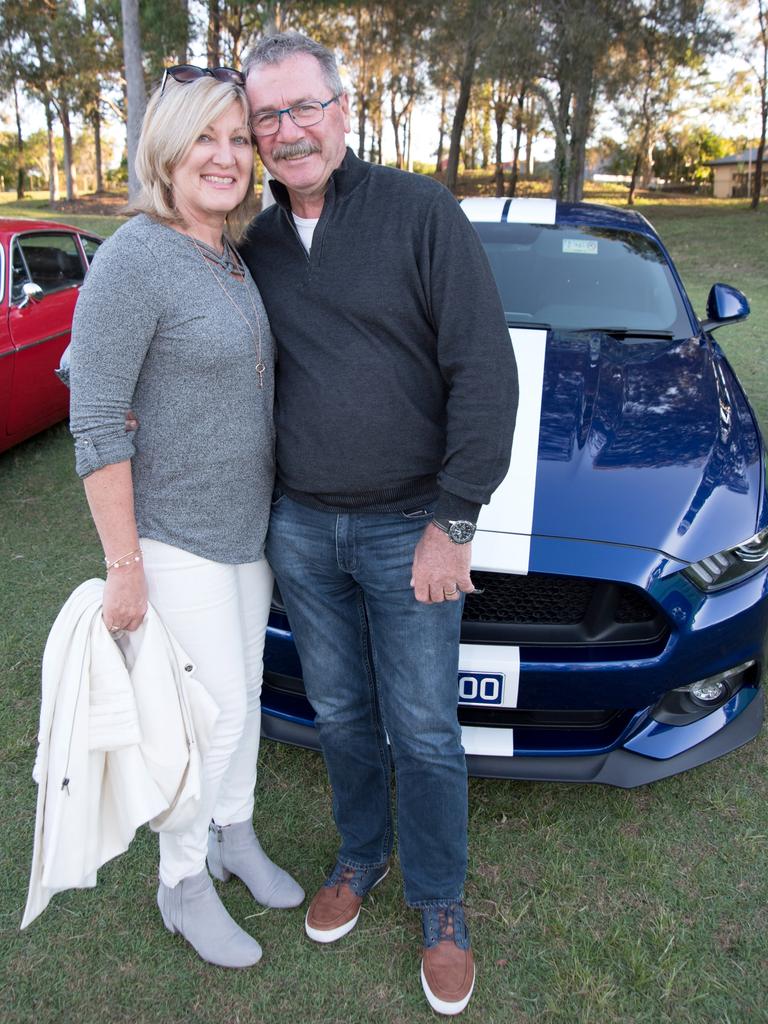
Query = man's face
x=302 y=158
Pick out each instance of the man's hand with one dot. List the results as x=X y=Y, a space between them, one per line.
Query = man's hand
x=440 y=568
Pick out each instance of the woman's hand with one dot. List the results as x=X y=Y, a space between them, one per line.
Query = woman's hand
x=125 y=598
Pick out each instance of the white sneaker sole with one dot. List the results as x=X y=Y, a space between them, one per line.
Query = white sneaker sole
x=439 y=1005
x=329 y=934
x=332 y=934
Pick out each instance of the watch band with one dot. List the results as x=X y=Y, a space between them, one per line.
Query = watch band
x=460 y=531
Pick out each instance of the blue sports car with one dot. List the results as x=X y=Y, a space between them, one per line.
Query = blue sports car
x=619 y=636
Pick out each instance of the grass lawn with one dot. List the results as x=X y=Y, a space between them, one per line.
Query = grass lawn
x=588 y=905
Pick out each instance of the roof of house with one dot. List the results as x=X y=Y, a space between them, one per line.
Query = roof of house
x=746 y=156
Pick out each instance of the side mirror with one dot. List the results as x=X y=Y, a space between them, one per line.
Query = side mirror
x=725 y=305
x=32 y=293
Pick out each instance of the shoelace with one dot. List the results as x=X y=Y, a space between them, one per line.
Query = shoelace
x=347 y=877
x=446 y=923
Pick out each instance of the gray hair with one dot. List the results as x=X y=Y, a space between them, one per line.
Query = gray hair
x=275 y=49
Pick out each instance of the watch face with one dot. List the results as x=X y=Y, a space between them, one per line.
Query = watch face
x=461 y=532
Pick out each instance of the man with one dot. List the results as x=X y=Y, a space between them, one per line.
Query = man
x=396 y=399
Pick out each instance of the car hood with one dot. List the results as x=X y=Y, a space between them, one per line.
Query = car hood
x=642 y=443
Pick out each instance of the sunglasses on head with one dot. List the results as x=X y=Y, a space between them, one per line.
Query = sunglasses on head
x=184 y=73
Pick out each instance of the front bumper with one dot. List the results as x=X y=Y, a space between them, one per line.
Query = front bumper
x=620 y=767
x=583 y=713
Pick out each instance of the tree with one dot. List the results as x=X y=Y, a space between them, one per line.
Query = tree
x=136 y=91
x=462 y=29
x=512 y=63
x=583 y=42
x=760 y=69
x=11 y=74
x=666 y=43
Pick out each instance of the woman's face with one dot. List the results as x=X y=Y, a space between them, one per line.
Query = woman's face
x=214 y=175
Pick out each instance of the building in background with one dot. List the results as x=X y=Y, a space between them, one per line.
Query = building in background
x=732 y=175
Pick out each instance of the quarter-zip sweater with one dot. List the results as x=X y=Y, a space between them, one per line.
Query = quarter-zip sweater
x=396 y=381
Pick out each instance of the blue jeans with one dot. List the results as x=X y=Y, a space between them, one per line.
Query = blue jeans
x=377 y=664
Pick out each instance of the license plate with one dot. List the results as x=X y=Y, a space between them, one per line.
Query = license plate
x=481 y=689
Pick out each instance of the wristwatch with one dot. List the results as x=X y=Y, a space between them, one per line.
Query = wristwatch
x=460 y=531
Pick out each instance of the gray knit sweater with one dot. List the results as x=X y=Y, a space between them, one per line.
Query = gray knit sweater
x=153 y=332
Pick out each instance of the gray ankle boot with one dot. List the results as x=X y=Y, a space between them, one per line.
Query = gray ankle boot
x=193 y=909
x=235 y=850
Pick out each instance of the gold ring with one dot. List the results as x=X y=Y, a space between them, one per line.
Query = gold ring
x=113 y=629
x=450 y=593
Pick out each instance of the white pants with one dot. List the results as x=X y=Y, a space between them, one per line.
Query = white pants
x=218 y=613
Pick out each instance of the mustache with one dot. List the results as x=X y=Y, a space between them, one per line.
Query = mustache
x=291 y=150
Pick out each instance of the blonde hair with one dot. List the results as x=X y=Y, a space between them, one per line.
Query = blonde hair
x=172 y=122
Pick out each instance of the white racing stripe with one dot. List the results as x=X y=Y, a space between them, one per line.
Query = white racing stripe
x=498 y=210
x=491 y=742
x=503 y=539
x=532 y=211
x=484 y=209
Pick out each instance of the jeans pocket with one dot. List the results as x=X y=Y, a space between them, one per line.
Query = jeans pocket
x=422 y=512
x=277 y=497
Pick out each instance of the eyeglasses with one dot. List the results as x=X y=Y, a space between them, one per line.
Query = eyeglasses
x=302 y=114
x=184 y=73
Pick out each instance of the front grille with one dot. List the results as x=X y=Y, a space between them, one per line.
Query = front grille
x=540 y=599
x=544 y=610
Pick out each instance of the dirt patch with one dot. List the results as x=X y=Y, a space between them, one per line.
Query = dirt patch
x=105 y=205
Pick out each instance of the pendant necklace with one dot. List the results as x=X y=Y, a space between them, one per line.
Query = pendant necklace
x=238 y=265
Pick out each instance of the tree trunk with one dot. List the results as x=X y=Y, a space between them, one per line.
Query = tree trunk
x=462 y=104
x=362 y=115
x=441 y=134
x=135 y=92
x=530 y=135
x=271 y=28
x=633 y=179
x=19 y=146
x=498 y=175
x=66 y=127
x=562 y=147
x=183 y=54
x=53 y=171
x=758 y=180
x=96 y=122
x=485 y=141
x=582 y=115
x=214 y=33
x=760 y=158
x=394 y=120
x=762 y=77
x=512 y=190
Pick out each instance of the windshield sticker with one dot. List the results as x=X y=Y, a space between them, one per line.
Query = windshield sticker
x=584 y=246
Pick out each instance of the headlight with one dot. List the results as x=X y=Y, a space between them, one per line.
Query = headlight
x=732 y=565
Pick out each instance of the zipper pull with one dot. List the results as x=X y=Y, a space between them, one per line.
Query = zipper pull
x=65 y=784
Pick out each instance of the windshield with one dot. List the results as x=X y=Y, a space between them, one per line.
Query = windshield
x=581 y=278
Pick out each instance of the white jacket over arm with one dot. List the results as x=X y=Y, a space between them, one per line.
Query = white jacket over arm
x=123 y=730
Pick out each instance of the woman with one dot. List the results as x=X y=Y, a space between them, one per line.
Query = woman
x=169 y=324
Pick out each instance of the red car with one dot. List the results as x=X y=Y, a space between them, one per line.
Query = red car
x=42 y=266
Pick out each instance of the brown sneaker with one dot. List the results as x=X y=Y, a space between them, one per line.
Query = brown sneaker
x=447 y=966
x=336 y=907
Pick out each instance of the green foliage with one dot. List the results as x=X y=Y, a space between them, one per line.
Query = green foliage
x=8 y=158
x=681 y=156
